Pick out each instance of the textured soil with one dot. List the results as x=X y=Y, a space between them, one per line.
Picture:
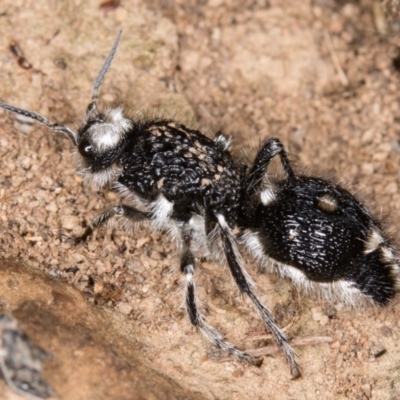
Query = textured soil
x=321 y=75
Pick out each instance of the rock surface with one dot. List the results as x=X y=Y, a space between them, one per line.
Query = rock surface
x=93 y=352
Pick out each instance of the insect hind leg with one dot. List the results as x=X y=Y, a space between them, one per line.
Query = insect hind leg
x=246 y=286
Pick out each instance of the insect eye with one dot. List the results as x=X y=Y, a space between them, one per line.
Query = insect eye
x=86 y=148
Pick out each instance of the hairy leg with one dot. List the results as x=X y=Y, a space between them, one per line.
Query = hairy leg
x=246 y=286
x=195 y=316
x=120 y=210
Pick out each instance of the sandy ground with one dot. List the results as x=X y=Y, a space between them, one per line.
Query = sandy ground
x=318 y=75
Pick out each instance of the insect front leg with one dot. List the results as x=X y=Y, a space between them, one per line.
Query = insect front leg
x=119 y=210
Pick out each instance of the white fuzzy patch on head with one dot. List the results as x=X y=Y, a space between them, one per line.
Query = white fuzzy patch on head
x=374 y=240
x=108 y=134
x=267 y=196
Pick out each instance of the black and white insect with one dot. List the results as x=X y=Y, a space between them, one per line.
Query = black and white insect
x=180 y=180
x=189 y=185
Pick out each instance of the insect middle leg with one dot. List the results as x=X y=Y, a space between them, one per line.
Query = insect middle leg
x=192 y=308
x=245 y=285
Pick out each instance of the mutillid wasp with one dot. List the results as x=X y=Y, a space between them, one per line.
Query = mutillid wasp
x=185 y=183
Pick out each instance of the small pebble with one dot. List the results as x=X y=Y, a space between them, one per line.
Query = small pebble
x=69 y=222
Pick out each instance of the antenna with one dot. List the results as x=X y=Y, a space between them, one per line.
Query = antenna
x=44 y=121
x=90 y=110
x=96 y=87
